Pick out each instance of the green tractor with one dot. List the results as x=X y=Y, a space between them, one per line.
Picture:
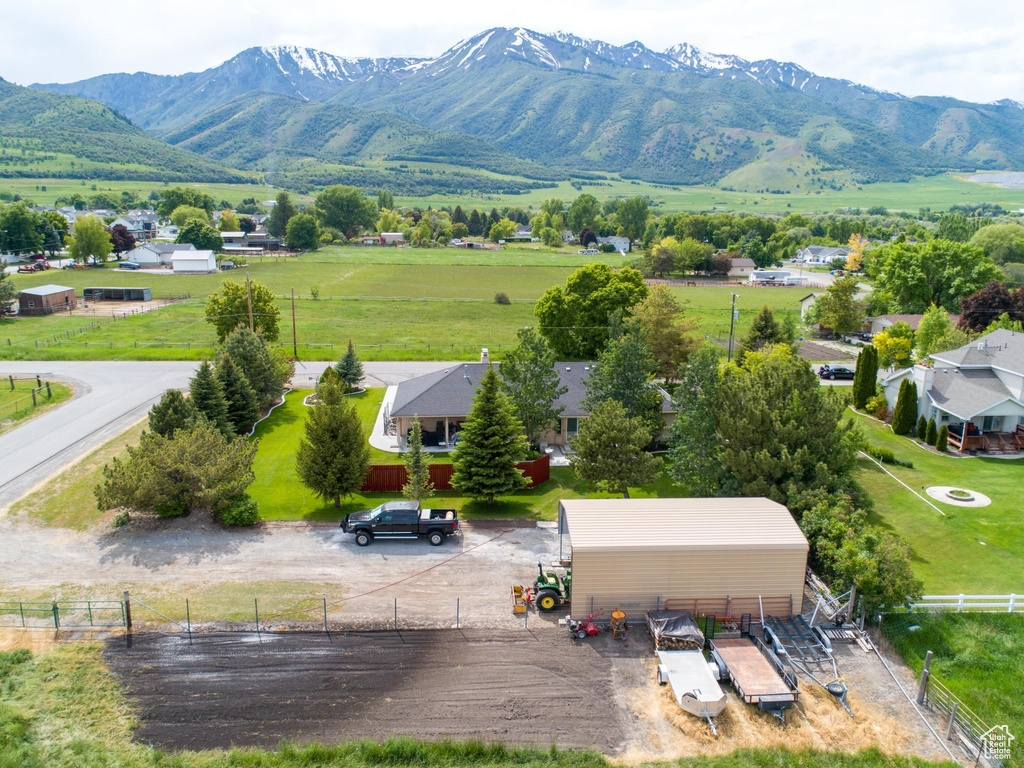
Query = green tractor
x=550 y=590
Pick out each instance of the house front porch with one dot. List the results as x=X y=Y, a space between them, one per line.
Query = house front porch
x=969 y=438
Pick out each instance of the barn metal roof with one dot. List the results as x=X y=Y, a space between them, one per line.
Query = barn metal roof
x=679 y=524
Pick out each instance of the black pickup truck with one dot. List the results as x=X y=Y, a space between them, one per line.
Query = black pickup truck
x=401 y=520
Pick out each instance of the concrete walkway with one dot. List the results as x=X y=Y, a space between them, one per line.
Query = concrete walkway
x=378 y=438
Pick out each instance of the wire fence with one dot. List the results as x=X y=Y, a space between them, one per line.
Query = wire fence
x=38 y=392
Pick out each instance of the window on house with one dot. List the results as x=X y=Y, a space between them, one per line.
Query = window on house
x=572 y=426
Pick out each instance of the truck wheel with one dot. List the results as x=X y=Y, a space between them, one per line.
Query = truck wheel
x=548 y=600
x=436 y=538
x=363 y=539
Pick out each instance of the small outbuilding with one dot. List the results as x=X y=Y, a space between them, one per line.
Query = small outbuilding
x=721 y=556
x=46 y=299
x=194 y=262
x=117 y=293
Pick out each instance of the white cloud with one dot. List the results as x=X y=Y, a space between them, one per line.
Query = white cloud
x=913 y=46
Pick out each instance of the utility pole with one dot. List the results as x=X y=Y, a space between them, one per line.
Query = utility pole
x=295 y=341
x=248 y=292
x=732 y=325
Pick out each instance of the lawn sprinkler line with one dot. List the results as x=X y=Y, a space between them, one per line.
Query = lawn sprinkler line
x=400 y=581
x=890 y=474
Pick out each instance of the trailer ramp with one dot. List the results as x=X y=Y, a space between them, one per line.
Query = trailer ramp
x=809 y=651
x=756 y=673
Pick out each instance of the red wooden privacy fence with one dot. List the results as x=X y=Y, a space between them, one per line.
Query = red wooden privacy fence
x=389 y=478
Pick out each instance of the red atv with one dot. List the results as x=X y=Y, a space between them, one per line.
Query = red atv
x=584 y=628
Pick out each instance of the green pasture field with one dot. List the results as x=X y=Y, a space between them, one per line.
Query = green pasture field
x=970 y=550
x=935 y=192
x=33 y=189
x=429 y=311
x=16 y=403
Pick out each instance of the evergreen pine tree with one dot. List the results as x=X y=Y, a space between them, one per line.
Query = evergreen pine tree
x=249 y=352
x=933 y=433
x=865 y=376
x=243 y=405
x=173 y=412
x=906 y=408
x=417 y=466
x=942 y=439
x=610 y=450
x=458 y=216
x=475 y=225
x=207 y=396
x=922 y=429
x=334 y=456
x=350 y=368
x=491 y=442
x=763 y=331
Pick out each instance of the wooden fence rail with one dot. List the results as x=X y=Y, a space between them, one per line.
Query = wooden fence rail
x=389 y=478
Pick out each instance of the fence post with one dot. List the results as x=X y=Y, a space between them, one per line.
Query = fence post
x=33 y=398
x=1013 y=602
x=56 y=616
x=12 y=377
x=127 y=610
x=256 y=604
x=325 y=615
x=88 y=605
x=21 y=607
x=396 y=614
x=456 y=613
x=960 y=604
x=926 y=673
x=952 y=719
x=39 y=383
x=188 y=621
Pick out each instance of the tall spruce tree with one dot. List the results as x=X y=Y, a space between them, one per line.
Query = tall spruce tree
x=865 y=376
x=531 y=381
x=207 y=394
x=417 y=466
x=334 y=456
x=491 y=442
x=280 y=215
x=764 y=330
x=610 y=450
x=249 y=352
x=475 y=225
x=903 y=415
x=243 y=405
x=693 y=454
x=171 y=413
x=350 y=368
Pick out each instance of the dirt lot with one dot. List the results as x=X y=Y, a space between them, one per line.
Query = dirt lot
x=523 y=687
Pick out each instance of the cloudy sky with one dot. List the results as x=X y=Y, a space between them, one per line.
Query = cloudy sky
x=935 y=47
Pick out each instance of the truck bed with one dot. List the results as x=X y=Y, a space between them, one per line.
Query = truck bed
x=437 y=514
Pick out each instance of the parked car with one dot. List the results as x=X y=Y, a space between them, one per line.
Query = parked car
x=401 y=520
x=837 y=372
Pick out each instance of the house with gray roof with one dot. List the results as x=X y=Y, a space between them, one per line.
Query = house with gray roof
x=156 y=254
x=977 y=391
x=442 y=401
x=821 y=254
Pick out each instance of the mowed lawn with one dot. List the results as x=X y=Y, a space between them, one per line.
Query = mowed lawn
x=970 y=550
x=282 y=496
x=423 y=311
x=16 y=404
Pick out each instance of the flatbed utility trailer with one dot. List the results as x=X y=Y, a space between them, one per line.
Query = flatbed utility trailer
x=694 y=683
x=756 y=673
x=809 y=651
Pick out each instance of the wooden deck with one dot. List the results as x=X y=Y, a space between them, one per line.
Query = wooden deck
x=989 y=442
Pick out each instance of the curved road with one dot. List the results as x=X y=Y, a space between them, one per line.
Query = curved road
x=109 y=397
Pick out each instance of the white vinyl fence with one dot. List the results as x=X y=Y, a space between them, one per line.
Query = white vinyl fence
x=979 y=603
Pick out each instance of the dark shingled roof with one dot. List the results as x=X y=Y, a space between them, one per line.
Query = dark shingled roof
x=967 y=392
x=450 y=392
x=999 y=349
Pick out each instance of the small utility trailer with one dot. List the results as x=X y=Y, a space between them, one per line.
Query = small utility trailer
x=809 y=651
x=694 y=683
x=756 y=673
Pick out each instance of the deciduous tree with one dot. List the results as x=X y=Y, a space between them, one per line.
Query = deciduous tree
x=202 y=236
x=610 y=450
x=228 y=309
x=302 y=233
x=894 y=345
x=121 y=239
x=229 y=221
x=838 y=308
x=491 y=443
x=529 y=378
x=625 y=373
x=91 y=240
x=186 y=213
x=345 y=209
x=667 y=330
x=693 y=450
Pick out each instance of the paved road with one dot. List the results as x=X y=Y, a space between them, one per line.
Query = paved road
x=110 y=396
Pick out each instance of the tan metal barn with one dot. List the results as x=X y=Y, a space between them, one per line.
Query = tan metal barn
x=721 y=556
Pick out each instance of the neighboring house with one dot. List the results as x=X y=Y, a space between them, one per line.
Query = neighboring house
x=621 y=244
x=194 y=262
x=442 y=401
x=741 y=266
x=392 y=238
x=807 y=302
x=977 y=389
x=156 y=254
x=885 y=322
x=821 y=254
x=141 y=225
x=46 y=299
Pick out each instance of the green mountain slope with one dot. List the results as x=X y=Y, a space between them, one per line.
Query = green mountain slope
x=55 y=135
x=272 y=132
